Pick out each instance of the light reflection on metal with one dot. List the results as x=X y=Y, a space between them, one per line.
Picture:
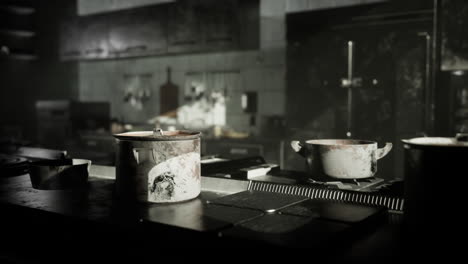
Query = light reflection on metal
x=458 y=73
x=5 y=50
x=350 y=83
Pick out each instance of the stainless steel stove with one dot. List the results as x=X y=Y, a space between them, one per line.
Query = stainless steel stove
x=262 y=176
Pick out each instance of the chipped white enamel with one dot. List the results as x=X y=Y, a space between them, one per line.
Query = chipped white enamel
x=176 y=179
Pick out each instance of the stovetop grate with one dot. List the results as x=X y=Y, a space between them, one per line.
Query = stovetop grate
x=392 y=202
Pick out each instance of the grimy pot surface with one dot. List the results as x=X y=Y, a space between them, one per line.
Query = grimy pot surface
x=158 y=168
x=341 y=158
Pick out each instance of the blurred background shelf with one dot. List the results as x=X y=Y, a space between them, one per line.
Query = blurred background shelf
x=17 y=30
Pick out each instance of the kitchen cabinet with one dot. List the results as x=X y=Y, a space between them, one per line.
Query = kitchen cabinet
x=210 y=25
x=181 y=27
x=184 y=25
x=249 y=21
x=84 y=38
x=220 y=23
x=70 y=42
x=93 y=37
x=138 y=32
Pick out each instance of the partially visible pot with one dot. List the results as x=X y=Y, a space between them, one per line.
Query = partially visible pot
x=436 y=173
x=59 y=174
x=341 y=158
x=158 y=167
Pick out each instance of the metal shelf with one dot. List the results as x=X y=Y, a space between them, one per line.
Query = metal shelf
x=18 y=10
x=18 y=32
x=17 y=55
x=23 y=56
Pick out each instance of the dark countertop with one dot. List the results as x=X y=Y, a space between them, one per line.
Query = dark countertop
x=95 y=220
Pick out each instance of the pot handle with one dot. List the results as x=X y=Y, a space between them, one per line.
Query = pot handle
x=382 y=152
x=136 y=154
x=298 y=147
x=461 y=137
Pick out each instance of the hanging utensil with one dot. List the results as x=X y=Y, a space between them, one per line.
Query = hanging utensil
x=168 y=96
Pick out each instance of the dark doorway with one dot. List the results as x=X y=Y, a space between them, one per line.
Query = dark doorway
x=390 y=58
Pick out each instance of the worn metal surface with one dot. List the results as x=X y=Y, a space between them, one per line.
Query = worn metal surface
x=334 y=211
x=59 y=174
x=98 y=203
x=240 y=219
x=264 y=201
x=392 y=200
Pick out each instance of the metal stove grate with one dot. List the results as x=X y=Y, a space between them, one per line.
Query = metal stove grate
x=366 y=198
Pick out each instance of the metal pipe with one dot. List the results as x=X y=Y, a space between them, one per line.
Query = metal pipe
x=427 y=84
x=350 y=87
x=436 y=51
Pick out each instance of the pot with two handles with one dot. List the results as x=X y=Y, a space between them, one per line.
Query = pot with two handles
x=157 y=166
x=341 y=158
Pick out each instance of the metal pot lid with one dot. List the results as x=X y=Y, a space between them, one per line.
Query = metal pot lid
x=159 y=135
x=458 y=141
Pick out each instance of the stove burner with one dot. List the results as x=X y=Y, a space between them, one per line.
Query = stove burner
x=346 y=184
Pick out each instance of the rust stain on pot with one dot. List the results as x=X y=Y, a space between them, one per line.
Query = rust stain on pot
x=374 y=166
x=197 y=173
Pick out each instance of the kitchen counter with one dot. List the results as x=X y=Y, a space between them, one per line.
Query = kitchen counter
x=93 y=221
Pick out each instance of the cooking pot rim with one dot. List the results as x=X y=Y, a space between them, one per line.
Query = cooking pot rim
x=174 y=135
x=431 y=142
x=341 y=142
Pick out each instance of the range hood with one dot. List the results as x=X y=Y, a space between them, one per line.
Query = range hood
x=88 y=7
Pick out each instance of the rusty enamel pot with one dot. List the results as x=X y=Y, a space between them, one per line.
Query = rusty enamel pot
x=341 y=158
x=158 y=167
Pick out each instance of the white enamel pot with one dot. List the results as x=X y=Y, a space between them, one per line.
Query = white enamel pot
x=158 y=167
x=341 y=158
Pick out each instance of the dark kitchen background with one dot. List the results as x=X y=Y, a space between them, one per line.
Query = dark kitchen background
x=252 y=75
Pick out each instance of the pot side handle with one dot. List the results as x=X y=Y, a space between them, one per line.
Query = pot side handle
x=139 y=159
x=382 y=152
x=298 y=147
x=136 y=156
